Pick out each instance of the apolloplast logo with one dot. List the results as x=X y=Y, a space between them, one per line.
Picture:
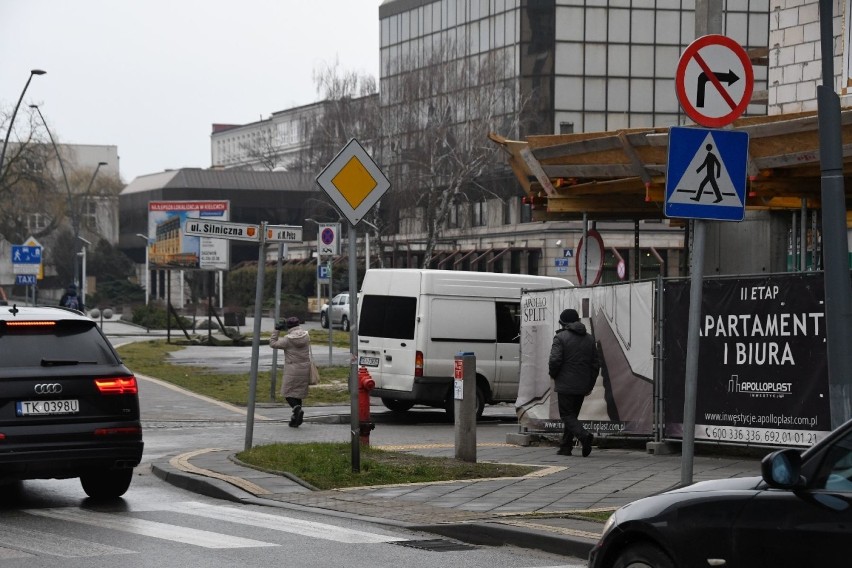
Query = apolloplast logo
x=758 y=388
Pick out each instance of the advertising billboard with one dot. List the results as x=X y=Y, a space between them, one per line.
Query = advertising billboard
x=168 y=245
x=762 y=362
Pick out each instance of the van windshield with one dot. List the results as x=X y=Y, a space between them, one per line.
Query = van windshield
x=387 y=316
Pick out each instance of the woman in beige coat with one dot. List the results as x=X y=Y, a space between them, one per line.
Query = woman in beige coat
x=296 y=345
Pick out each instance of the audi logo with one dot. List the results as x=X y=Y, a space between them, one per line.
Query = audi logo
x=48 y=388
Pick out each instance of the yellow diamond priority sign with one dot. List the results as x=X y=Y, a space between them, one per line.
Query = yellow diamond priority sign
x=353 y=181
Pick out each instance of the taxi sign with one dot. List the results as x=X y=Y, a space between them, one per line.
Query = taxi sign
x=353 y=181
x=222 y=230
x=283 y=234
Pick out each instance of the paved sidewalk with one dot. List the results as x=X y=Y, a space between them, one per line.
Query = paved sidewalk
x=535 y=511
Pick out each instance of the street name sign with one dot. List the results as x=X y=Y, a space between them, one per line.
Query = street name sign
x=222 y=230
x=706 y=174
x=353 y=181
x=714 y=80
x=283 y=234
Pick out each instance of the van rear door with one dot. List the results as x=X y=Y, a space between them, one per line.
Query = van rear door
x=387 y=323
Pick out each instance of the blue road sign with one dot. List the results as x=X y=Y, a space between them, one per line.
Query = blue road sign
x=560 y=262
x=25 y=254
x=323 y=272
x=706 y=174
x=25 y=279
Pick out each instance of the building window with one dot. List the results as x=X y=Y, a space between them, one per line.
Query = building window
x=89 y=212
x=36 y=221
x=478 y=214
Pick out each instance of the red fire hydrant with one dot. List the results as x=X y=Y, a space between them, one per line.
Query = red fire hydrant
x=365 y=385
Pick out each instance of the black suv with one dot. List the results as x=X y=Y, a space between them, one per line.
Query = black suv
x=68 y=406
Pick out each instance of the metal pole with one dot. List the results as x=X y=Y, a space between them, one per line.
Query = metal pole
x=255 y=342
x=793 y=249
x=147 y=277
x=804 y=236
x=353 y=348
x=328 y=315
x=838 y=288
x=14 y=114
x=83 y=282
x=273 y=374
x=585 y=251
x=692 y=343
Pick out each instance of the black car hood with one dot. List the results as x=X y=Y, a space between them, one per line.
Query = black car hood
x=730 y=484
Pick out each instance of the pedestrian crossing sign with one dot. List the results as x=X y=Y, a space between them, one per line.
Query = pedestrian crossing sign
x=706 y=174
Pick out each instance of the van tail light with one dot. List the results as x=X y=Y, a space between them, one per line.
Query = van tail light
x=117 y=385
x=418 y=364
x=2 y=436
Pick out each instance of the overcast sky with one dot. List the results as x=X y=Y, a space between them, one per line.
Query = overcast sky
x=152 y=76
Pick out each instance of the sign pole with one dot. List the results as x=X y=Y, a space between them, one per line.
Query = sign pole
x=255 y=342
x=273 y=375
x=353 y=349
x=330 y=307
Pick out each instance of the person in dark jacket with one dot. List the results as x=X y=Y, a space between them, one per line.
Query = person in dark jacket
x=70 y=299
x=574 y=365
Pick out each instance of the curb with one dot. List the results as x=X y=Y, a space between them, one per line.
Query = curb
x=495 y=534
x=482 y=533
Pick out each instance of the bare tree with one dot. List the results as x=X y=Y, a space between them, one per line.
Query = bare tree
x=439 y=113
x=32 y=204
x=265 y=151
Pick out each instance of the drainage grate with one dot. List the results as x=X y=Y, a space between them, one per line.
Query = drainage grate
x=436 y=545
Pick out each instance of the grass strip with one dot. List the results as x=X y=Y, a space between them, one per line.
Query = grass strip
x=152 y=358
x=329 y=466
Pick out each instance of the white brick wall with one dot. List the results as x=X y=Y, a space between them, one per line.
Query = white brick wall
x=795 y=67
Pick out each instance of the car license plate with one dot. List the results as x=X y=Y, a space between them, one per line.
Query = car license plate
x=46 y=407
x=369 y=361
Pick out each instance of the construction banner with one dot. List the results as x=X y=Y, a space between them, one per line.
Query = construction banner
x=762 y=365
x=620 y=317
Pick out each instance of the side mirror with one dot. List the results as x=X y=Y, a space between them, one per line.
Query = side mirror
x=782 y=469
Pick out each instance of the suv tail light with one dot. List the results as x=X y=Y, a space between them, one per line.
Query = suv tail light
x=418 y=364
x=117 y=385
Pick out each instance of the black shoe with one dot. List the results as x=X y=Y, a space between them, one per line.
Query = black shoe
x=296 y=417
x=564 y=452
x=587 y=445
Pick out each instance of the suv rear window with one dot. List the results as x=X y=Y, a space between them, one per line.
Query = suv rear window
x=387 y=316
x=59 y=343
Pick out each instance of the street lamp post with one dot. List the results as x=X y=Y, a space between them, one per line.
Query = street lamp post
x=14 y=114
x=75 y=219
x=83 y=282
x=147 y=275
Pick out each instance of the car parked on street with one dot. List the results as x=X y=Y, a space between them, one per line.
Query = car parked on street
x=797 y=513
x=338 y=314
x=68 y=405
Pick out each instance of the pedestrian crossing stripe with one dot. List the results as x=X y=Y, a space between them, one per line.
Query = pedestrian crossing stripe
x=16 y=542
x=706 y=174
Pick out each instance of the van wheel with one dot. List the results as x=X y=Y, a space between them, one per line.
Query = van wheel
x=344 y=323
x=450 y=404
x=324 y=320
x=396 y=405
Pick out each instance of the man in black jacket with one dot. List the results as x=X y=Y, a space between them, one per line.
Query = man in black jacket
x=574 y=367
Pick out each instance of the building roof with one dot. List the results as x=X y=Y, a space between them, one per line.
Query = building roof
x=198 y=178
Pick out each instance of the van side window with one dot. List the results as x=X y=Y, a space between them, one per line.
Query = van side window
x=508 y=322
x=387 y=316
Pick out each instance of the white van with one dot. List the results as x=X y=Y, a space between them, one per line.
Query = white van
x=413 y=322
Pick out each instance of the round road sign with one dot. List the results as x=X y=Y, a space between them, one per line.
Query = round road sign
x=590 y=258
x=714 y=80
x=327 y=236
